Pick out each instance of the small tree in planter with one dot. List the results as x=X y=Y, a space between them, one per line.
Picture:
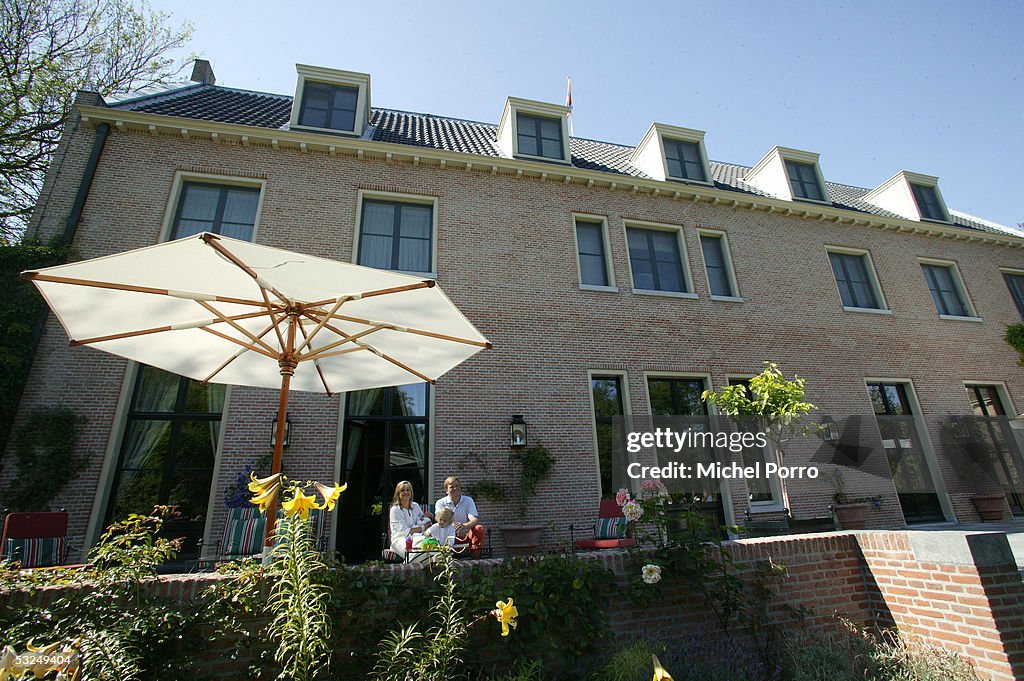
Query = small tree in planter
x=535 y=464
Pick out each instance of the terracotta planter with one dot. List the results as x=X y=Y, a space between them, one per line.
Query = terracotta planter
x=852 y=516
x=991 y=507
x=522 y=540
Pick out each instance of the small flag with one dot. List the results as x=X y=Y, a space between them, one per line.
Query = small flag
x=568 y=101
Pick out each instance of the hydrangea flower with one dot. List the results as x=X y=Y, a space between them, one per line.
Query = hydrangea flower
x=651 y=573
x=621 y=497
x=632 y=510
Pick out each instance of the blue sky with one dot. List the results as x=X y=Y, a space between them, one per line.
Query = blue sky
x=874 y=87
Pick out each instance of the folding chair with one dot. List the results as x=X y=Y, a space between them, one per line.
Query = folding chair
x=611 y=531
x=35 y=539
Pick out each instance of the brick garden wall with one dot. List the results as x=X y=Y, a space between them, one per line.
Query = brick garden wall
x=959 y=591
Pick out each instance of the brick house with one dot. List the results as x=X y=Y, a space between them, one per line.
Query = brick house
x=612 y=280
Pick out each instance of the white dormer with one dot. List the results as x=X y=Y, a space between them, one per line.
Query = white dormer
x=911 y=195
x=534 y=130
x=790 y=174
x=670 y=153
x=330 y=100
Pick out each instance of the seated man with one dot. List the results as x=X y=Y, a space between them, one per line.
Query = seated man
x=463 y=508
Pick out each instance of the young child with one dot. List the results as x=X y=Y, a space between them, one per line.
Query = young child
x=443 y=531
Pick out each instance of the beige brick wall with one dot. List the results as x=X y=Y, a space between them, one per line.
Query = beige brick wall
x=506 y=256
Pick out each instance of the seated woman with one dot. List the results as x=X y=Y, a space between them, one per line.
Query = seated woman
x=407 y=519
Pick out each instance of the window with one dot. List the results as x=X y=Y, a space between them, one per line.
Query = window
x=716 y=262
x=677 y=396
x=856 y=285
x=655 y=259
x=591 y=250
x=222 y=209
x=684 y=160
x=539 y=136
x=1015 y=282
x=396 y=236
x=329 y=106
x=942 y=282
x=607 y=394
x=928 y=205
x=762 y=490
x=803 y=181
x=168 y=452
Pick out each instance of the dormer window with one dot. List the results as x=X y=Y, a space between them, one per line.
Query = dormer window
x=912 y=196
x=790 y=174
x=329 y=100
x=803 y=181
x=669 y=153
x=539 y=136
x=534 y=131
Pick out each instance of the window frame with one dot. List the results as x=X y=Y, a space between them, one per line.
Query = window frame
x=609 y=270
x=723 y=238
x=624 y=397
x=650 y=155
x=181 y=178
x=778 y=502
x=401 y=198
x=508 y=128
x=872 y=275
x=683 y=258
x=702 y=161
x=1018 y=304
x=538 y=135
x=771 y=175
x=336 y=78
x=915 y=187
x=970 y=313
x=791 y=165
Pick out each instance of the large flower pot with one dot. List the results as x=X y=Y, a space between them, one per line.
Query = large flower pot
x=852 y=516
x=991 y=507
x=522 y=540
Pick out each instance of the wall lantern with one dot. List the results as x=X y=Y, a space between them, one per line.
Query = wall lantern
x=287 y=431
x=829 y=429
x=517 y=432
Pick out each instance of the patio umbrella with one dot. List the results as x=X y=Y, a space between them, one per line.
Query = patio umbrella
x=221 y=310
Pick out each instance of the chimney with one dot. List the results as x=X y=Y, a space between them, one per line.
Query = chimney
x=202 y=72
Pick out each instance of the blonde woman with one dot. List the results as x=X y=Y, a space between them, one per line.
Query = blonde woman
x=407 y=518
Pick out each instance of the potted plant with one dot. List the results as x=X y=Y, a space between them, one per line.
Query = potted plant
x=535 y=464
x=852 y=514
x=970 y=448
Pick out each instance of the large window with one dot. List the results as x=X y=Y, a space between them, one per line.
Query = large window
x=656 y=261
x=607 y=394
x=396 y=236
x=763 y=490
x=167 y=455
x=329 y=106
x=221 y=209
x=856 y=285
x=593 y=260
x=927 y=200
x=684 y=160
x=716 y=262
x=1015 y=282
x=945 y=289
x=803 y=181
x=539 y=136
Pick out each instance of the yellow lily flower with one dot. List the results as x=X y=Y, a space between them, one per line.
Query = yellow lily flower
x=266 y=497
x=261 y=485
x=300 y=504
x=506 y=614
x=330 y=494
x=659 y=672
x=7 y=666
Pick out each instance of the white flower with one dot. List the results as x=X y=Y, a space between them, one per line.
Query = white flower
x=632 y=511
x=651 y=573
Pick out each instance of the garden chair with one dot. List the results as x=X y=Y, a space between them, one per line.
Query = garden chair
x=35 y=539
x=245 y=527
x=611 y=531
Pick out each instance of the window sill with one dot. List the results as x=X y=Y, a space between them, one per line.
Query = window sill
x=544 y=159
x=801 y=199
x=728 y=299
x=666 y=294
x=958 y=318
x=329 y=131
x=765 y=507
x=595 y=287
x=686 y=180
x=868 y=310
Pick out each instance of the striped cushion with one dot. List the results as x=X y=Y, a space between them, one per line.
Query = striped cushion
x=611 y=528
x=243 y=537
x=390 y=556
x=39 y=552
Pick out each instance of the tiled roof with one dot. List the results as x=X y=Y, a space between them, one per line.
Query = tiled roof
x=244 y=107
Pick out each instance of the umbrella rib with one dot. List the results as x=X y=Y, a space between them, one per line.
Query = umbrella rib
x=341 y=352
x=241 y=351
x=316 y=361
x=187 y=295
x=241 y=329
x=398 y=364
x=307 y=340
x=213 y=240
x=426 y=283
x=197 y=324
x=237 y=341
x=418 y=332
x=315 y=354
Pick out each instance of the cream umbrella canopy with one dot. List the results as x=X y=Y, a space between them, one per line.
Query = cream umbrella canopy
x=220 y=310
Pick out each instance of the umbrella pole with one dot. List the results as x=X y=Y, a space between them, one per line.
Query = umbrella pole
x=275 y=465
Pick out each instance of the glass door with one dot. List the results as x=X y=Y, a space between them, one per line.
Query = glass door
x=995 y=427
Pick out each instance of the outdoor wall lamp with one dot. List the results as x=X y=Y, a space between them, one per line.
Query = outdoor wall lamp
x=517 y=432
x=829 y=429
x=287 y=431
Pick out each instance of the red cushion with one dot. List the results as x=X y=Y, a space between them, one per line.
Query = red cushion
x=609 y=509
x=35 y=525
x=605 y=543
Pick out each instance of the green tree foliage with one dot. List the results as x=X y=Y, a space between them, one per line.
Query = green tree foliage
x=48 y=50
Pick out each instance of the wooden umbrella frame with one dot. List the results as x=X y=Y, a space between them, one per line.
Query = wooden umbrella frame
x=284 y=319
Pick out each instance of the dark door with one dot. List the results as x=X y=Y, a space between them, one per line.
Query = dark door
x=385 y=442
x=995 y=427
x=902 y=442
